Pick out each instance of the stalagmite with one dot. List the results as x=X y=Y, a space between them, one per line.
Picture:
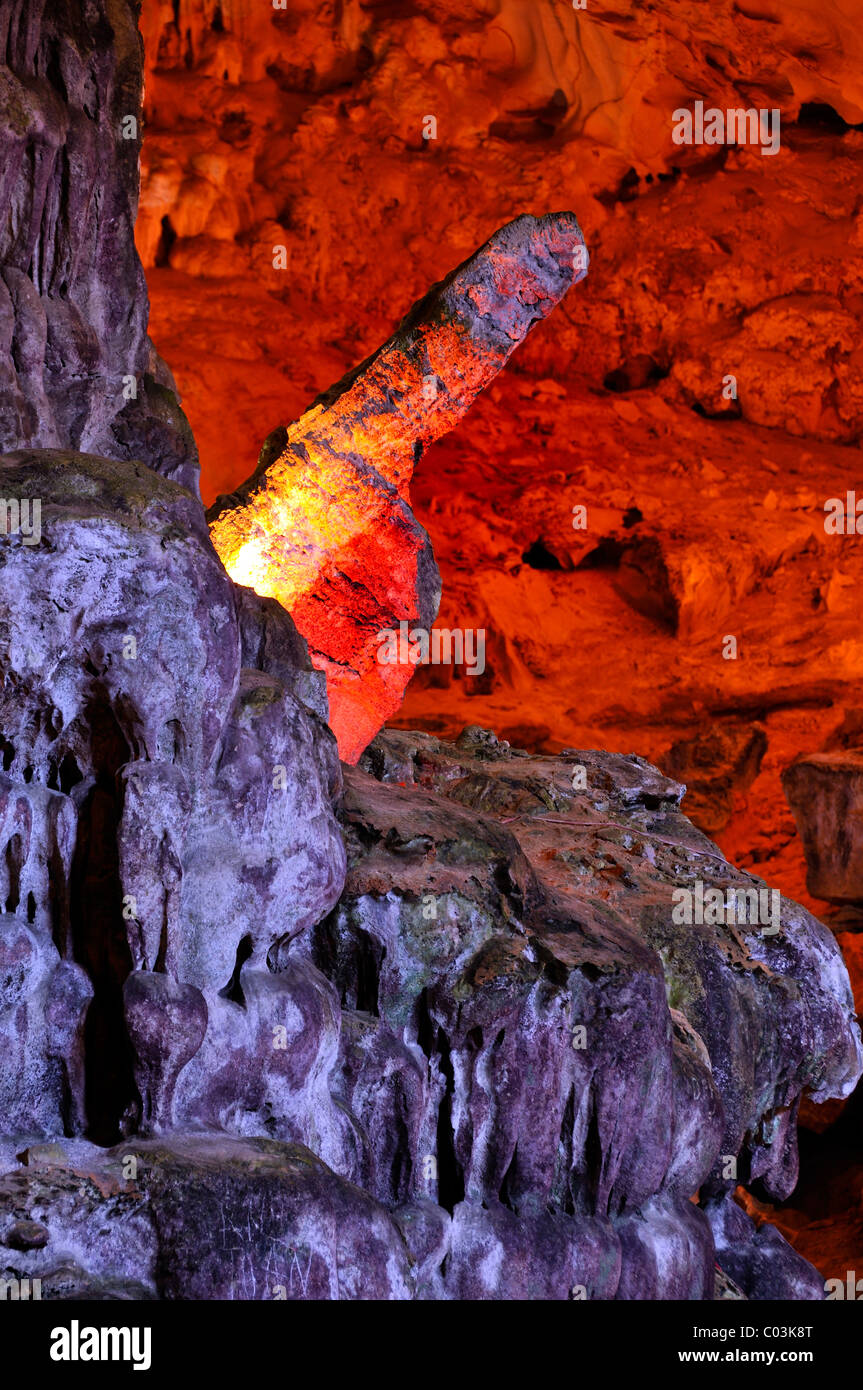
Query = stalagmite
x=324 y=523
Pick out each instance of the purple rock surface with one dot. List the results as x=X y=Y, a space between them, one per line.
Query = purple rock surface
x=77 y=369
x=429 y=1028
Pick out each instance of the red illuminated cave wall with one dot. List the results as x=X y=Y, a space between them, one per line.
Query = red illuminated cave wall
x=304 y=129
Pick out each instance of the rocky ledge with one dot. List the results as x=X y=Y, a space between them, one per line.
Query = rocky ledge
x=530 y=1076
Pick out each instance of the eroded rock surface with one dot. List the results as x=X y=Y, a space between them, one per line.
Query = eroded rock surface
x=826 y=795
x=492 y=1063
x=77 y=369
x=166 y=810
x=499 y=1065
x=518 y=934
x=206 y=1218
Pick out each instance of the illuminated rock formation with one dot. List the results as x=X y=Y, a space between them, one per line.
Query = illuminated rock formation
x=324 y=525
x=306 y=130
x=484 y=1057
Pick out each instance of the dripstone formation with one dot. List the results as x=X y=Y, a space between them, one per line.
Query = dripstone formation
x=273 y=1028
x=324 y=524
x=77 y=369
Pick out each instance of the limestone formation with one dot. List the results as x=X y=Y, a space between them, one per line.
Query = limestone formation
x=77 y=369
x=826 y=795
x=699 y=397
x=497 y=1064
x=461 y=1022
x=167 y=811
x=324 y=525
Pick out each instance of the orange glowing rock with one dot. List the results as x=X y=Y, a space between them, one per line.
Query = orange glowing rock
x=324 y=523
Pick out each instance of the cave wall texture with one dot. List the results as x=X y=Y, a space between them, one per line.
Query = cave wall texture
x=424 y=1025
x=76 y=365
x=304 y=129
